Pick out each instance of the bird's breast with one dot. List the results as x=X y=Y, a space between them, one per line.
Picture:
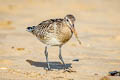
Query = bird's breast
x=65 y=35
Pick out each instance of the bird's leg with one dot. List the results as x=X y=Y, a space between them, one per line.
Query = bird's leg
x=60 y=57
x=46 y=55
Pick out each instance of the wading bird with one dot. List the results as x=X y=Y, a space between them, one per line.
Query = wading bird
x=55 y=32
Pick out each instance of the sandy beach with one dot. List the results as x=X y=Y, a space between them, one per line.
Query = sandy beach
x=98 y=27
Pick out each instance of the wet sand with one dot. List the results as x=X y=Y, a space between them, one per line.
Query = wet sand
x=98 y=26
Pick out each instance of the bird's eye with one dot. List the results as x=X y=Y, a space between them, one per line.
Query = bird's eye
x=67 y=20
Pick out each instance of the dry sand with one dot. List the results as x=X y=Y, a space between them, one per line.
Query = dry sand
x=98 y=27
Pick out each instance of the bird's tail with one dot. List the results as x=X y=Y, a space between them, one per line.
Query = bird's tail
x=30 y=29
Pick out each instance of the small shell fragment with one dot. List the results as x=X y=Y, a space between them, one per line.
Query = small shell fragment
x=75 y=60
x=19 y=49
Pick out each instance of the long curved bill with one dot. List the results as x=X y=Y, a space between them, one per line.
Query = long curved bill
x=75 y=33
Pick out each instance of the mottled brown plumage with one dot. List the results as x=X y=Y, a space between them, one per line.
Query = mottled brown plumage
x=55 y=32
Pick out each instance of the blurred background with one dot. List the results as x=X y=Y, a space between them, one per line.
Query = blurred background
x=97 y=24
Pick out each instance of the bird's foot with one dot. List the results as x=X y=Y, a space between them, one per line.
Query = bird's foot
x=65 y=67
x=48 y=68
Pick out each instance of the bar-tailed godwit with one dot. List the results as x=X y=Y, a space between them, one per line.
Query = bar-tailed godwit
x=55 y=32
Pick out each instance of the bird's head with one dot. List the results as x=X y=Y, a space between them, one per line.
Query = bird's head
x=70 y=20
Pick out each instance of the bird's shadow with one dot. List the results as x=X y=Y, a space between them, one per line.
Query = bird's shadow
x=53 y=65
